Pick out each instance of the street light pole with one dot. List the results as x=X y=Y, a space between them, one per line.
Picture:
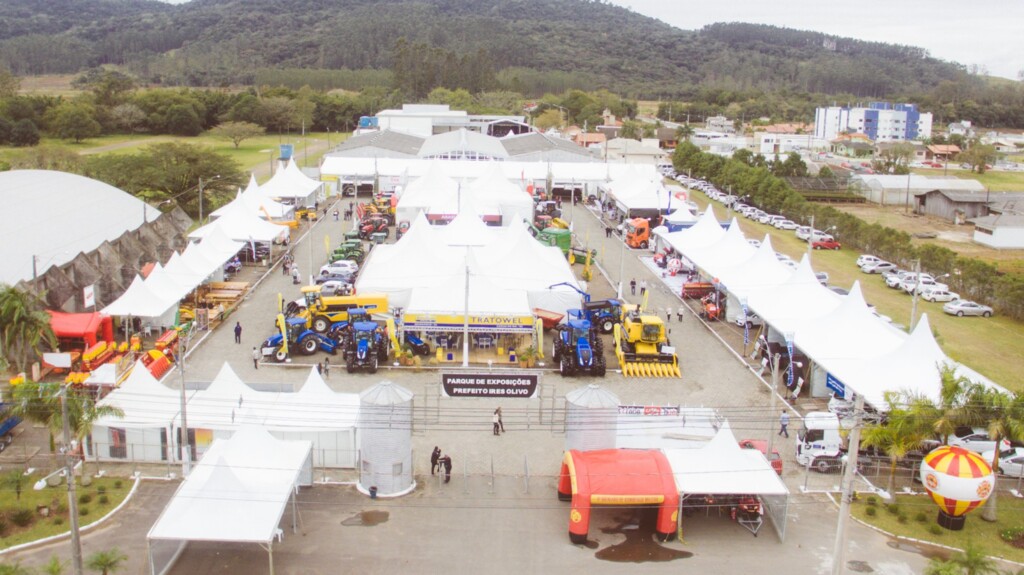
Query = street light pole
x=69 y=466
x=839 y=552
x=465 y=318
x=186 y=451
x=200 y=200
x=917 y=288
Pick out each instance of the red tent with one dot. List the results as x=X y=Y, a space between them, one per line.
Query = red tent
x=617 y=477
x=84 y=326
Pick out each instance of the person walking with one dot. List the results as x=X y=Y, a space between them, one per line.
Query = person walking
x=668 y=315
x=784 y=423
x=295 y=275
x=255 y=358
x=501 y=423
x=335 y=214
x=496 y=422
x=632 y=286
x=607 y=231
x=327 y=368
x=446 y=461
x=238 y=332
x=320 y=368
x=679 y=313
x=435 y=457
x=643 y=287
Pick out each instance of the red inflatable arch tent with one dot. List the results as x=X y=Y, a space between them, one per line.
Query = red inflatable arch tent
x=82 y=326
x=617 y=477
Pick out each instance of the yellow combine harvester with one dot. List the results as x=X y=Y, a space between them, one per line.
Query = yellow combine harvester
x=642 y=346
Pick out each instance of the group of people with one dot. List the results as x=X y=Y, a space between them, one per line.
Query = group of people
x=499 y=425
x=288 y=267
x=439 y=461
x=324 y=368
x=632 y=287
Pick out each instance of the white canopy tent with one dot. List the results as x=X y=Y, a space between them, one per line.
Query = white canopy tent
x=705 y=232
x=730 y=249
x=292 y=186
x=140 y=301
x=790 y=306
x=242 y=226
x=761 y=271
x=237 y=493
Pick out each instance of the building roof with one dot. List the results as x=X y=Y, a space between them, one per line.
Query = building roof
x=999 y=221
x=967 y=197
x=384 y=139
x=537 y=142
x=944 y=149
x=788 y=128
x=853 y=145
x=591 y=138
x=54 y=216
x=633 y=147
x=889 y=145
x=462 y=141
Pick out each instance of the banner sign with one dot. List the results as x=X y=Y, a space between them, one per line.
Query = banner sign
x=789 y=348
x=89 y=295
x=648 y=410
x=746 y=325
x=835 y=385
x=489 y=384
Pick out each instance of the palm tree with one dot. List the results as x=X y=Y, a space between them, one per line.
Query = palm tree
x=972 y=561
x=106 y=562
x=954 y=409
x=25 y=330
x=40 y=402
x=1004 y=416
x=684 y=132
x=902 y=432
x=54 y=567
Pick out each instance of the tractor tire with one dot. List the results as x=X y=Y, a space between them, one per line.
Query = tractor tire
x=599 y=368
x=280 y=355
x=607 y=325
x=309 y=345
x=321 y=324
x=372 y=366
x=565 y=367
x=555 y=356
x=350 y=366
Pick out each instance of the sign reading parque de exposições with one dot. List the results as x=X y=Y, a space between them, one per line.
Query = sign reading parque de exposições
x=489 y=384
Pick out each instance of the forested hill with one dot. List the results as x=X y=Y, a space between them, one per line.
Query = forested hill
x=213 y=42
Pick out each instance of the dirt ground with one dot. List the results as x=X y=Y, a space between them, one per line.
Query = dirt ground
x=956 y=238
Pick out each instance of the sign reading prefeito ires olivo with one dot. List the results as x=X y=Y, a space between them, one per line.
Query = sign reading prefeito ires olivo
x=489 y=384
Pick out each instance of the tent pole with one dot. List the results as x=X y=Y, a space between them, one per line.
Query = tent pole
x=295 y=523
x=270 y=556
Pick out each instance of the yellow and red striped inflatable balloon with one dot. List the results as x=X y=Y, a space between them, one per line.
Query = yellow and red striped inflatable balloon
x=957 y=479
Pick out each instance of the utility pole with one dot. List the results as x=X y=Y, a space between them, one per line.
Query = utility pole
x=69 y=466
x=200 y=201
x=839 y=552
x=183 y=442
x=917 y=289
x=810 y=239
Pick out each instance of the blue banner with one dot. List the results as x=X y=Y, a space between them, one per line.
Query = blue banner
x=789 y=348
x=835 y=385
x=746 y=326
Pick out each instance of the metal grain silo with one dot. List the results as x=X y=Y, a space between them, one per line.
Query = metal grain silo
x=592 y=416
x=385 y=440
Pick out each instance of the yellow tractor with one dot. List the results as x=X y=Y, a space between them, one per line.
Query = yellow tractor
x=642 y=347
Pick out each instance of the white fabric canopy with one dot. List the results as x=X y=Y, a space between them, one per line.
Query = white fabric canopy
x=761 y=271
x=242 y=226
x=789 y=306
x=140 y=301
x=731 y=248
x=289 y=183
x=721 y=466
x=145 y=401
x=485 y=298
x=705 y=232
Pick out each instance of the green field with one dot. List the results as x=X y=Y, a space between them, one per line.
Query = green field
x=980 y=533
x=56 y=499
x=994 y=181
x=991 y=346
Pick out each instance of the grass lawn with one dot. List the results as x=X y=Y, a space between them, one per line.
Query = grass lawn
x=982 y=534
x=990 y=346
x=56 y=500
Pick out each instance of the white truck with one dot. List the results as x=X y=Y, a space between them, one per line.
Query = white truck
x=821 y=444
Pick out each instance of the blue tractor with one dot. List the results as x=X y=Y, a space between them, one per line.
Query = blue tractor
x=365 y=347
x=603 y=313
x=578 y=349
x=294 y=335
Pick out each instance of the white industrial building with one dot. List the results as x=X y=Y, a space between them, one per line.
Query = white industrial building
x=1003 y=231
x=771 y=144
x=425 y=120
x=879 y=121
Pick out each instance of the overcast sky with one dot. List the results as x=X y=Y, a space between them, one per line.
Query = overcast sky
x=985 y=32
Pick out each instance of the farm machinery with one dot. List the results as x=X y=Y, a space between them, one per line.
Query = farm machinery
x=642 y=346
x=365 y=347
x=578 y=349
x=294 y=335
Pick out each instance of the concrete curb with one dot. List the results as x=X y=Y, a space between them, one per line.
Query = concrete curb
x=83 y=529
x=918 y=541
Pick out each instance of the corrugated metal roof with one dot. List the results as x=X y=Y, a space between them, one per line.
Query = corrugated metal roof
x=55 y=216
x=1000 y=221
x=536 y=142
x=462 y=141
x=384 y=139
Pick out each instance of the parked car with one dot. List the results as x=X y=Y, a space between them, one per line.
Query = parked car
x=336 y=276
x=761 y=445
x=750 y=319
x=962 y=307
x=939 y=295
x=803 y=232
x=839 y=290
x=1011 y=461
x=335 y=287
x=878 y=267
x=924 y=282
x=755 y=243
x=767 y=218
x=822 y=277
x=894 y=278
x=827 y=243
x=755 y=214
x=865 y=259
x=976 y=439
x=340 y=266
x=785 y=224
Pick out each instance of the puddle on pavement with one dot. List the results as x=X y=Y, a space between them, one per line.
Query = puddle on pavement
x=928 y=552
x=640 y=545
x=859 y=567
x=366 y=519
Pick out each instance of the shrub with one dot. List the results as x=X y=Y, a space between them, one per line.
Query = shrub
x=872 y=500
x=58 y=521
x=871 y=511
x=118 y=484
x=893 y=508
x=935 y=529
x=101 y=489
x=103 y=499
x=83 y=511
x=84 y=498
x=3 y=526
x=61 y=508
x=921 y=517
x=22 y=517
x=902 y=518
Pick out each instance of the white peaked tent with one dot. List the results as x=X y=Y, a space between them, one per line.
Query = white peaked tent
x=494 y=186
x=486 y=208
x=140 y=301
x=485 y=299
x=425 y=192
x=229 y=386
x=730 y=249
x=467 y=229
x=145 y=401
x=790 y=306
x=238 y=493
x=761 y=271
x=256 y=201
x=848 y=336
x=292 y=186
x=680 y=216
x=166 y=287
x=705 y=232
x=188 y=272
x=242 y=226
